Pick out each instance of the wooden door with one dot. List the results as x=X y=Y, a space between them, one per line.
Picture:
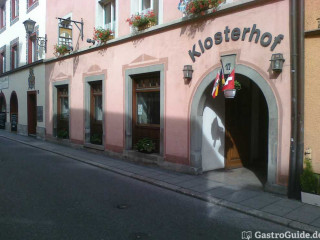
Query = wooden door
x=146 y=109
x=237 y=130
x=96 y=113
x=32 y=113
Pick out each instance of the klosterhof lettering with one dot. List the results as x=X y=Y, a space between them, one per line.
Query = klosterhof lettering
x=236 y=34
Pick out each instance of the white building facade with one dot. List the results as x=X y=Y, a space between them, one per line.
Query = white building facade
x=22 y=71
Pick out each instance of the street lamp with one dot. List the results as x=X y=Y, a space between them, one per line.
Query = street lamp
x=41 y=41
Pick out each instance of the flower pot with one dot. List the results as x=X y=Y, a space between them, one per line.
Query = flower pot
x=310 y=198
x=146 y=26
x=110 y=37
x=230 y=93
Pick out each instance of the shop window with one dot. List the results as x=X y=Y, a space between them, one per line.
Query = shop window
x=32 y=48
x=65 y=32
x=14 y=9
x=63 y=112
x=14 y=56
x=2 y=62
x=96 y=112
x=148 y=104
x=109 y=12
x=146 y=108
x=63 y=103
x=2 y=16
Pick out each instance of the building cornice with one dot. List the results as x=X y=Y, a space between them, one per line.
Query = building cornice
x=18 y=69
x=222 y=10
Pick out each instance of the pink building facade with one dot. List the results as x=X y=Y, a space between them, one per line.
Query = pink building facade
x=112 y=95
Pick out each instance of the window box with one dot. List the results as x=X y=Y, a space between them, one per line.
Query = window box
x=143 y=21
x=61 y=50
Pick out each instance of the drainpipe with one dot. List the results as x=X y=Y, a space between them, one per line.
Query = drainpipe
x=297 y=97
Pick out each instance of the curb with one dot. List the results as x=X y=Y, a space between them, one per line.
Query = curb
x=219 y=202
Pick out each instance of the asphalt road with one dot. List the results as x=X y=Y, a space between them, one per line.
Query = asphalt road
x=47 y=196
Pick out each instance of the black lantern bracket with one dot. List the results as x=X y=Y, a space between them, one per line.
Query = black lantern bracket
x=78 y=24
x=42 y=42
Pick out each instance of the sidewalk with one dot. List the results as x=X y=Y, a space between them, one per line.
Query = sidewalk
x=271 y=207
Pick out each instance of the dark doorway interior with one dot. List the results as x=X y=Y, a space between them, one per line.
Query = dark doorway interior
x=246 y=122
x=96 y=113
x=63 y=112
x=32 y=113
x=3 y=112
x=14 y=111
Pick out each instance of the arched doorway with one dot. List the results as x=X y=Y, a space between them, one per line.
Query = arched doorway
x=14 y=111
x=3 y=111
x=229 y=125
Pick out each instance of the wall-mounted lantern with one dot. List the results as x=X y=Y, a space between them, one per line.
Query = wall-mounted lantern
x=277 y=61
x=29 y=26
x=187 y=73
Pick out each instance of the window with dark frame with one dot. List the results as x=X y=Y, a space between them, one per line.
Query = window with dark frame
x=2 y=16
x=14 y=56
x=14 y=9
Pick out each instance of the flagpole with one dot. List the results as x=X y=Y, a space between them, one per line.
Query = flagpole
x=223 y=78
x=222 y=66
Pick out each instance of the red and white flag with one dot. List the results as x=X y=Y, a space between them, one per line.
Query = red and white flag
x=229 y=84
x=215 y=89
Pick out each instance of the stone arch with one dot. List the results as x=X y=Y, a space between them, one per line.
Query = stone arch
x=196 y=114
